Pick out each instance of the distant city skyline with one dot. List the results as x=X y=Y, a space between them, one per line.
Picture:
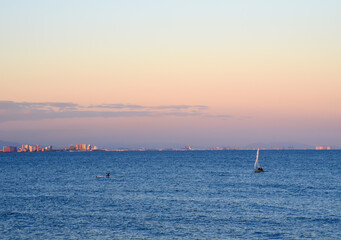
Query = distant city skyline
x=93 y=146
x=170 y=73
x=24 y=148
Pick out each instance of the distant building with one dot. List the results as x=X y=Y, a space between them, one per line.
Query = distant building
x=88 y=148
x=9 y=149
x=48 y=148
x=25 y=147
x=81 y=147
x=323 y=148
x=38 y=148
x=72 y=148
x=32 y=148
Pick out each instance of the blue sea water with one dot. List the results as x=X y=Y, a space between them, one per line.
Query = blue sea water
x=171 y=195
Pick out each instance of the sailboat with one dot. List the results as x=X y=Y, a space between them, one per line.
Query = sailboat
x=257 y=166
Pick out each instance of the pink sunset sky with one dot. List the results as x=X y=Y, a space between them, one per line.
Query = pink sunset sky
x=170 y=73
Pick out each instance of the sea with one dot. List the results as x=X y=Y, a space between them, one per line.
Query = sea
x=171 y=195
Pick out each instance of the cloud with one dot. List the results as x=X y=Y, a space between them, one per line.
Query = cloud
x=19 y=106
x=171 y=107
x=24 y=111
x=117 y=106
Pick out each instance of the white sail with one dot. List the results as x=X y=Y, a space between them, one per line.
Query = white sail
x=257 y=165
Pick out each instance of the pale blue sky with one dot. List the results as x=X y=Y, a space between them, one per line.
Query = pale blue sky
x=210 y=21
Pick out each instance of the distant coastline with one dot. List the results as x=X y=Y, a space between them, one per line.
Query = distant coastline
x=88 y=148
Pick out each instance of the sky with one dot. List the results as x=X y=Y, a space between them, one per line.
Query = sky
x=170 y=73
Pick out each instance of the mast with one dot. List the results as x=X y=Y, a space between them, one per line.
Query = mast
x=256 y=162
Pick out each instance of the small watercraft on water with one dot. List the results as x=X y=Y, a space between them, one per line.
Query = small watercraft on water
x=257 y=167
x=107 y=175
